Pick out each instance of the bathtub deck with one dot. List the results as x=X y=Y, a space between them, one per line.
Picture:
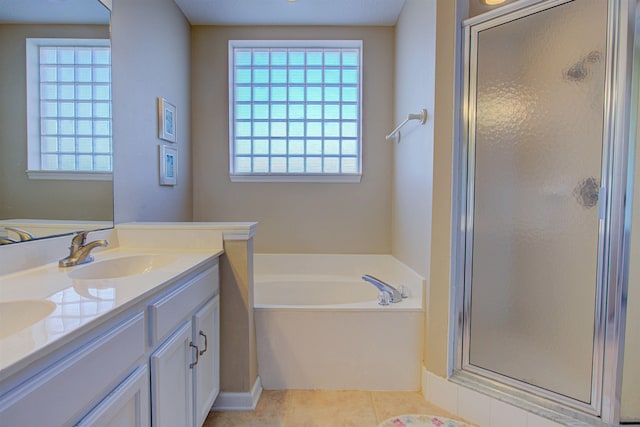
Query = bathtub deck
x=315 y=408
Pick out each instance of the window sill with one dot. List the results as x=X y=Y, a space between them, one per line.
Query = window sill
x=327 y=179
x=70 y=175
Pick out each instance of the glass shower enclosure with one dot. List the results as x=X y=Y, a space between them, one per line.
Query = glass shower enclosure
x=537 y=248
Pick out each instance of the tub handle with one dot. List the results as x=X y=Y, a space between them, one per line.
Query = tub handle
x=206 y=345
x=191 y=365
x=384 y=298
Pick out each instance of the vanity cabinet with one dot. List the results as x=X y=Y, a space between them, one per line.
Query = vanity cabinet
x=185 y=377
x=154 y=363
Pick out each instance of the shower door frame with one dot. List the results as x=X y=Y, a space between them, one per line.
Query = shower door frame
x=612 y=264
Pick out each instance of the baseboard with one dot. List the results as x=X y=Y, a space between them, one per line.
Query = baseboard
x=233 y=401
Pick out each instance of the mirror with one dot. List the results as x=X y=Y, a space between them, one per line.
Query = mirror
x=56 y=204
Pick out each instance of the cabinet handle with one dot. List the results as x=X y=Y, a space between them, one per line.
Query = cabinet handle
x=191 y=365
x=206 y=345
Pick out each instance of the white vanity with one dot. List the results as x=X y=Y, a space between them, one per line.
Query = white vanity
x=131 y=339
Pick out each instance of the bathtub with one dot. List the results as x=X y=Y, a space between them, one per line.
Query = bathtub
x=319 y=326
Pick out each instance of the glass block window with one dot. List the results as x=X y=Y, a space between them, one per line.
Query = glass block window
x=70 y=92
x=295 y=110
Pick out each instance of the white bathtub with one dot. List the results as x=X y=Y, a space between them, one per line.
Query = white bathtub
x=319 y=326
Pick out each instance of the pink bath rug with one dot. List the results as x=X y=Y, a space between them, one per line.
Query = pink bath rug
x=414 y=420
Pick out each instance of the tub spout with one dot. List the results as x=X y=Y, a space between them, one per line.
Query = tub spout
x=396 y=296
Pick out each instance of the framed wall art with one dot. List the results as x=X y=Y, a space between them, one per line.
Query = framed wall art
x=168 y=165
x=167 y=120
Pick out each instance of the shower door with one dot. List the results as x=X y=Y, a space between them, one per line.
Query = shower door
x=535 y=116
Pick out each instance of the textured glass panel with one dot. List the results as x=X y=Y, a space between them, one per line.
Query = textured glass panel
x=331 y=165
x=349 y=112
x=83 y=74
x=260 y=57
x=66 y=74
x=314 y=165
x=243 y=164
x=296 y=146
x=243 y=111
x=243 y=57
x=332 y=112
x=67 y=145
x=296 y=111
x=332 y=76
x=278 y=146
x=67 y=162
x=50 y=162
x=243 y=147
x=314 y=93
x=101 y=92
x=66 y=55
x=243 y=129
x=102 y=74
x=103 y=145
x=85 y=145
x=66 y=127
x=84 y=127
x=349 y=147
x=49 y=127
x=349 y=130
x=83 y=55
x=331 y=129
x=349 y=165
x=261 y=164
x=296 y=164
x=278 y=93
x=314 y=76
x=68 y=110
x=49 y=91
x=332 y=58
x=261 y=75
x=50 y=109
x=296 y=57
x=102 y=128
x=260 y=111
x=296 y=75
x=278 y=57
x=278 y=164
x=296 y=93
x=314 y=57
x=243 y=93
x=243 y=75
x=314 y=129
x=539 y=108
x=314 y=147
x=314 y=111
x=278 y=75
x=261 y=147
x=102 y=56
x=49 y=144
x=331 y=147
x=279 y=129
x=48 y=74
x=83 y=92
x=100 y=109
x=296 y=129
x=332 y=94
x=48 y=55
x=260 y=129
x=85 y=162
x=349 y=94
x=261 y=94
x=102 y=163
x=350 y=58
x=350 y=76
x=278 y=111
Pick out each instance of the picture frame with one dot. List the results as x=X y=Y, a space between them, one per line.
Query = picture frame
x=168 y=165
x=167 y=120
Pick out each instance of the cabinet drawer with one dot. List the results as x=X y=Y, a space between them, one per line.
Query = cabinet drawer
x=166 y=313
x=59 y=395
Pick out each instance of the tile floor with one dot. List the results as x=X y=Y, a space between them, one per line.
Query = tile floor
x=320 y=408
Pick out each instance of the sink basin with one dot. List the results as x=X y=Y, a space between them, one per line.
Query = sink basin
x=121 y=267
x=18 y=315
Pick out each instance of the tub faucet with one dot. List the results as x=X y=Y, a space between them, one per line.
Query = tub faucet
x=79 y=251
x=396 y=295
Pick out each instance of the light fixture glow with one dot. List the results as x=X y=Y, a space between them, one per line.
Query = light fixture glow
x=492 y=2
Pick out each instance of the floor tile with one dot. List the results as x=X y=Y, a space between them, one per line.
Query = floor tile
x=319 y=408
x=388 y=404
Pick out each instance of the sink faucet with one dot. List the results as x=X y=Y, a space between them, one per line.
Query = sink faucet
x=79 y=251
x=23 y=235
x=396 y=295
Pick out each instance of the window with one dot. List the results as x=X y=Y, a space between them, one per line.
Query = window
x=69 y=109
x=295 y=111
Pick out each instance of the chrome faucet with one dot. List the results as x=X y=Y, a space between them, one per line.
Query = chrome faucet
x=395 y=295
x=79 y=251
x=23 y=235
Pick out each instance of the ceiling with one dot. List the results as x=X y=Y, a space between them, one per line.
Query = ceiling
x=284 y=12
x=53 y=12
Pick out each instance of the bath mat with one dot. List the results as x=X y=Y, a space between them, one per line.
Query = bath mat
x=415 y=420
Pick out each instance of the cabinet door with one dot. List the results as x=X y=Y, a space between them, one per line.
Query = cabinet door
x=206 y=333
x=126 y=406
x=171 y=380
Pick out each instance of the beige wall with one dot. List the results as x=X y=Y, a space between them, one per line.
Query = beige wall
x=151 y=59
x=21 y=197
x=437 y=345
x=413 y=177
x=295 y=217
